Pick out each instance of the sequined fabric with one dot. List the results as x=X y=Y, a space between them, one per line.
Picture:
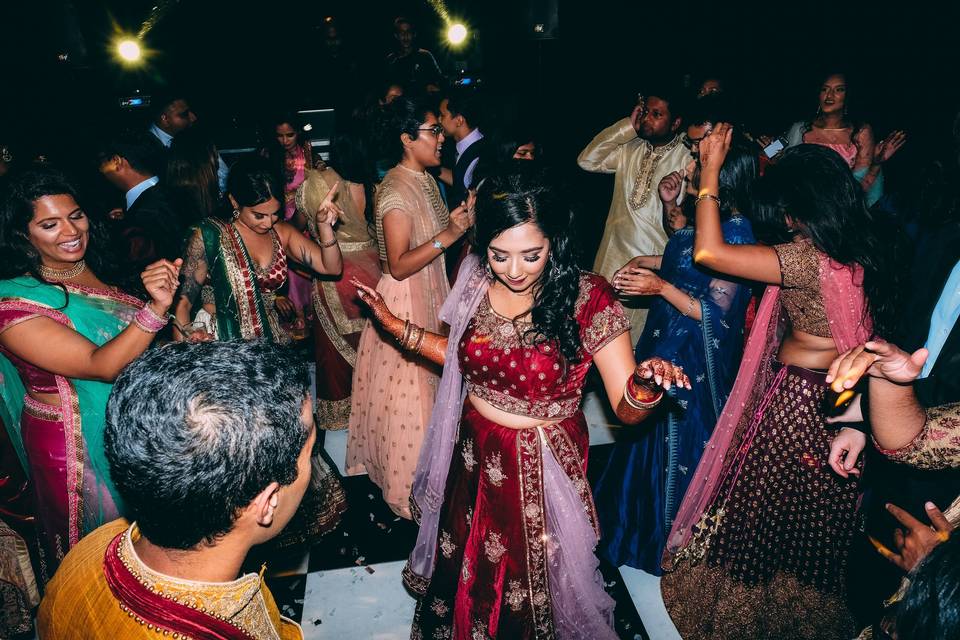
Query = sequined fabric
x=770 y=557
x=272 y=277
x=501 y=366
x=800 y=270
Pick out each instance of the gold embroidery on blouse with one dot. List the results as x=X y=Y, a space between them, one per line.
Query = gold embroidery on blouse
x=604 y=327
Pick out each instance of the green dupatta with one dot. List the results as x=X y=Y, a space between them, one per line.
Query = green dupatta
x=242 y=311
x=98 y=315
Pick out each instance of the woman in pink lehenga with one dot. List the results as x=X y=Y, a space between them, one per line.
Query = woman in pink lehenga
x=392 y=393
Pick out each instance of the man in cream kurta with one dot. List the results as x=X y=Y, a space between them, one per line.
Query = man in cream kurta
x=639 y=151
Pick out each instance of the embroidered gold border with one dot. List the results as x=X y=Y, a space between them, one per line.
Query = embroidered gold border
x=530 y=465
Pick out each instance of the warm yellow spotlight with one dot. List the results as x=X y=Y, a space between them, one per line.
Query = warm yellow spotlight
x=129 y=50
x=456 y=33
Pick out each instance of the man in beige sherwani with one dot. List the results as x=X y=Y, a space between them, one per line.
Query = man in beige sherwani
x=640 y=151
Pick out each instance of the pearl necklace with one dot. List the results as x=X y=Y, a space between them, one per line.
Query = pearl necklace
x=58 y=275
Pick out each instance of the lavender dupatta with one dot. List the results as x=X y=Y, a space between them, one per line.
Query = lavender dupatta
x=581 y=606
x=433 y=465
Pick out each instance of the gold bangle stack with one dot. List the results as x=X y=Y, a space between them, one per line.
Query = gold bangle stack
x=412 y=337
x=707 y=196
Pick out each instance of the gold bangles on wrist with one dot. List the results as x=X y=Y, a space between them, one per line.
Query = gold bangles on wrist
x=637 y=396
x=707 y=196
x=412 y=337
x=691 y=301
x=327 y=245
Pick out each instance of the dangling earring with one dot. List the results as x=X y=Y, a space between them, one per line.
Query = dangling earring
x=490 y=275
x=236 y=213
x=554 y=271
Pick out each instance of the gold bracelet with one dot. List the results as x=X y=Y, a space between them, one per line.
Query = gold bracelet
x=327 y=245
x=690 y=303
x=402 y=339
x=707 y=196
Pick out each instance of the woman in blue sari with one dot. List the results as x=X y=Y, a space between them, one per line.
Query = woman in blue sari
x=696 y=321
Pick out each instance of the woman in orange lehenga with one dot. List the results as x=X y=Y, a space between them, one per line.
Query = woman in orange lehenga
x=392 y=393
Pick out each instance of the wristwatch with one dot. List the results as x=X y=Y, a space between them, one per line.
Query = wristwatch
x=439 y=245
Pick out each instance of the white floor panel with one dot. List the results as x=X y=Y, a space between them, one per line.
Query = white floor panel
x=644 y=590
x=355 y=604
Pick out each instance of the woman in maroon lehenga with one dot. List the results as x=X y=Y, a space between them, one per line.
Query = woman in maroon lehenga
x=507 y=524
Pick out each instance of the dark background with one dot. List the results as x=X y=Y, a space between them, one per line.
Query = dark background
x=238 y=62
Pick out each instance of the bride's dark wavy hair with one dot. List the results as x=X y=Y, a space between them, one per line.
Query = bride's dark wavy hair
x=507 y=201
x=17 y=255
x=814 y=187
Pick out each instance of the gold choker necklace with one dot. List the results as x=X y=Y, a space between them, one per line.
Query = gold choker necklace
x=57 y=275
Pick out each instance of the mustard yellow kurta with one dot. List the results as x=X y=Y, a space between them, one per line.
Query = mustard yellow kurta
x=79 y=605
x=635 y=221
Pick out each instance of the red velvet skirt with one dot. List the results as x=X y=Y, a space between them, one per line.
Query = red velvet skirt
x=490 y=578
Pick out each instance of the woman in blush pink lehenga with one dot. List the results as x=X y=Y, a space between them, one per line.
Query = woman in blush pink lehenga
x=393 y=393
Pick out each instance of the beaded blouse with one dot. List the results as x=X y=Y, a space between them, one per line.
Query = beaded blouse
x=501 y=366
x=800 y=272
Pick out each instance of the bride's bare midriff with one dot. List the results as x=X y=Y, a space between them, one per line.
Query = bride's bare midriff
x=504 y=418
x=807 y=350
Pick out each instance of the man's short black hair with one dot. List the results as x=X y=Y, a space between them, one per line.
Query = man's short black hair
x=194 y=432
x=466 y=102
x=670 y=93
x=140 y=149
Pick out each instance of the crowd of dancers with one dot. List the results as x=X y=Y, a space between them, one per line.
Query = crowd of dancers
x=777 y=351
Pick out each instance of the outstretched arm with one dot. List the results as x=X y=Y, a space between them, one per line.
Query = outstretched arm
x=431 y=346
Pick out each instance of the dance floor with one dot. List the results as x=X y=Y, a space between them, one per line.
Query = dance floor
x=348 y=586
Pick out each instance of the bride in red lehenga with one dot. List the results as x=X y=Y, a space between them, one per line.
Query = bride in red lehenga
x=507 y=524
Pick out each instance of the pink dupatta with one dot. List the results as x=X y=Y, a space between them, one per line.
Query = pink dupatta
x=850 y=325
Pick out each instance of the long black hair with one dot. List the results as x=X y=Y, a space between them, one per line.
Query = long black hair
x=274 y=151
x=504 y=202
x=17 y=255
x=930 y=609
x=813 y=186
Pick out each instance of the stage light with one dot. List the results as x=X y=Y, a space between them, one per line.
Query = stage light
x=456 y=34
x=129 y=50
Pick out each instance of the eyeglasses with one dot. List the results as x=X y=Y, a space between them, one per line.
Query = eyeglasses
x=435 y=129
x=690 y=143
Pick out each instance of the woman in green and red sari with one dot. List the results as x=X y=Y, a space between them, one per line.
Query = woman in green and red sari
x=244 y=262
x=235 y=267
x=65 y=334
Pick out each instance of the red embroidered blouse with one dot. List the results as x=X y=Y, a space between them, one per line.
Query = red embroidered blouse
x=532 y=381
